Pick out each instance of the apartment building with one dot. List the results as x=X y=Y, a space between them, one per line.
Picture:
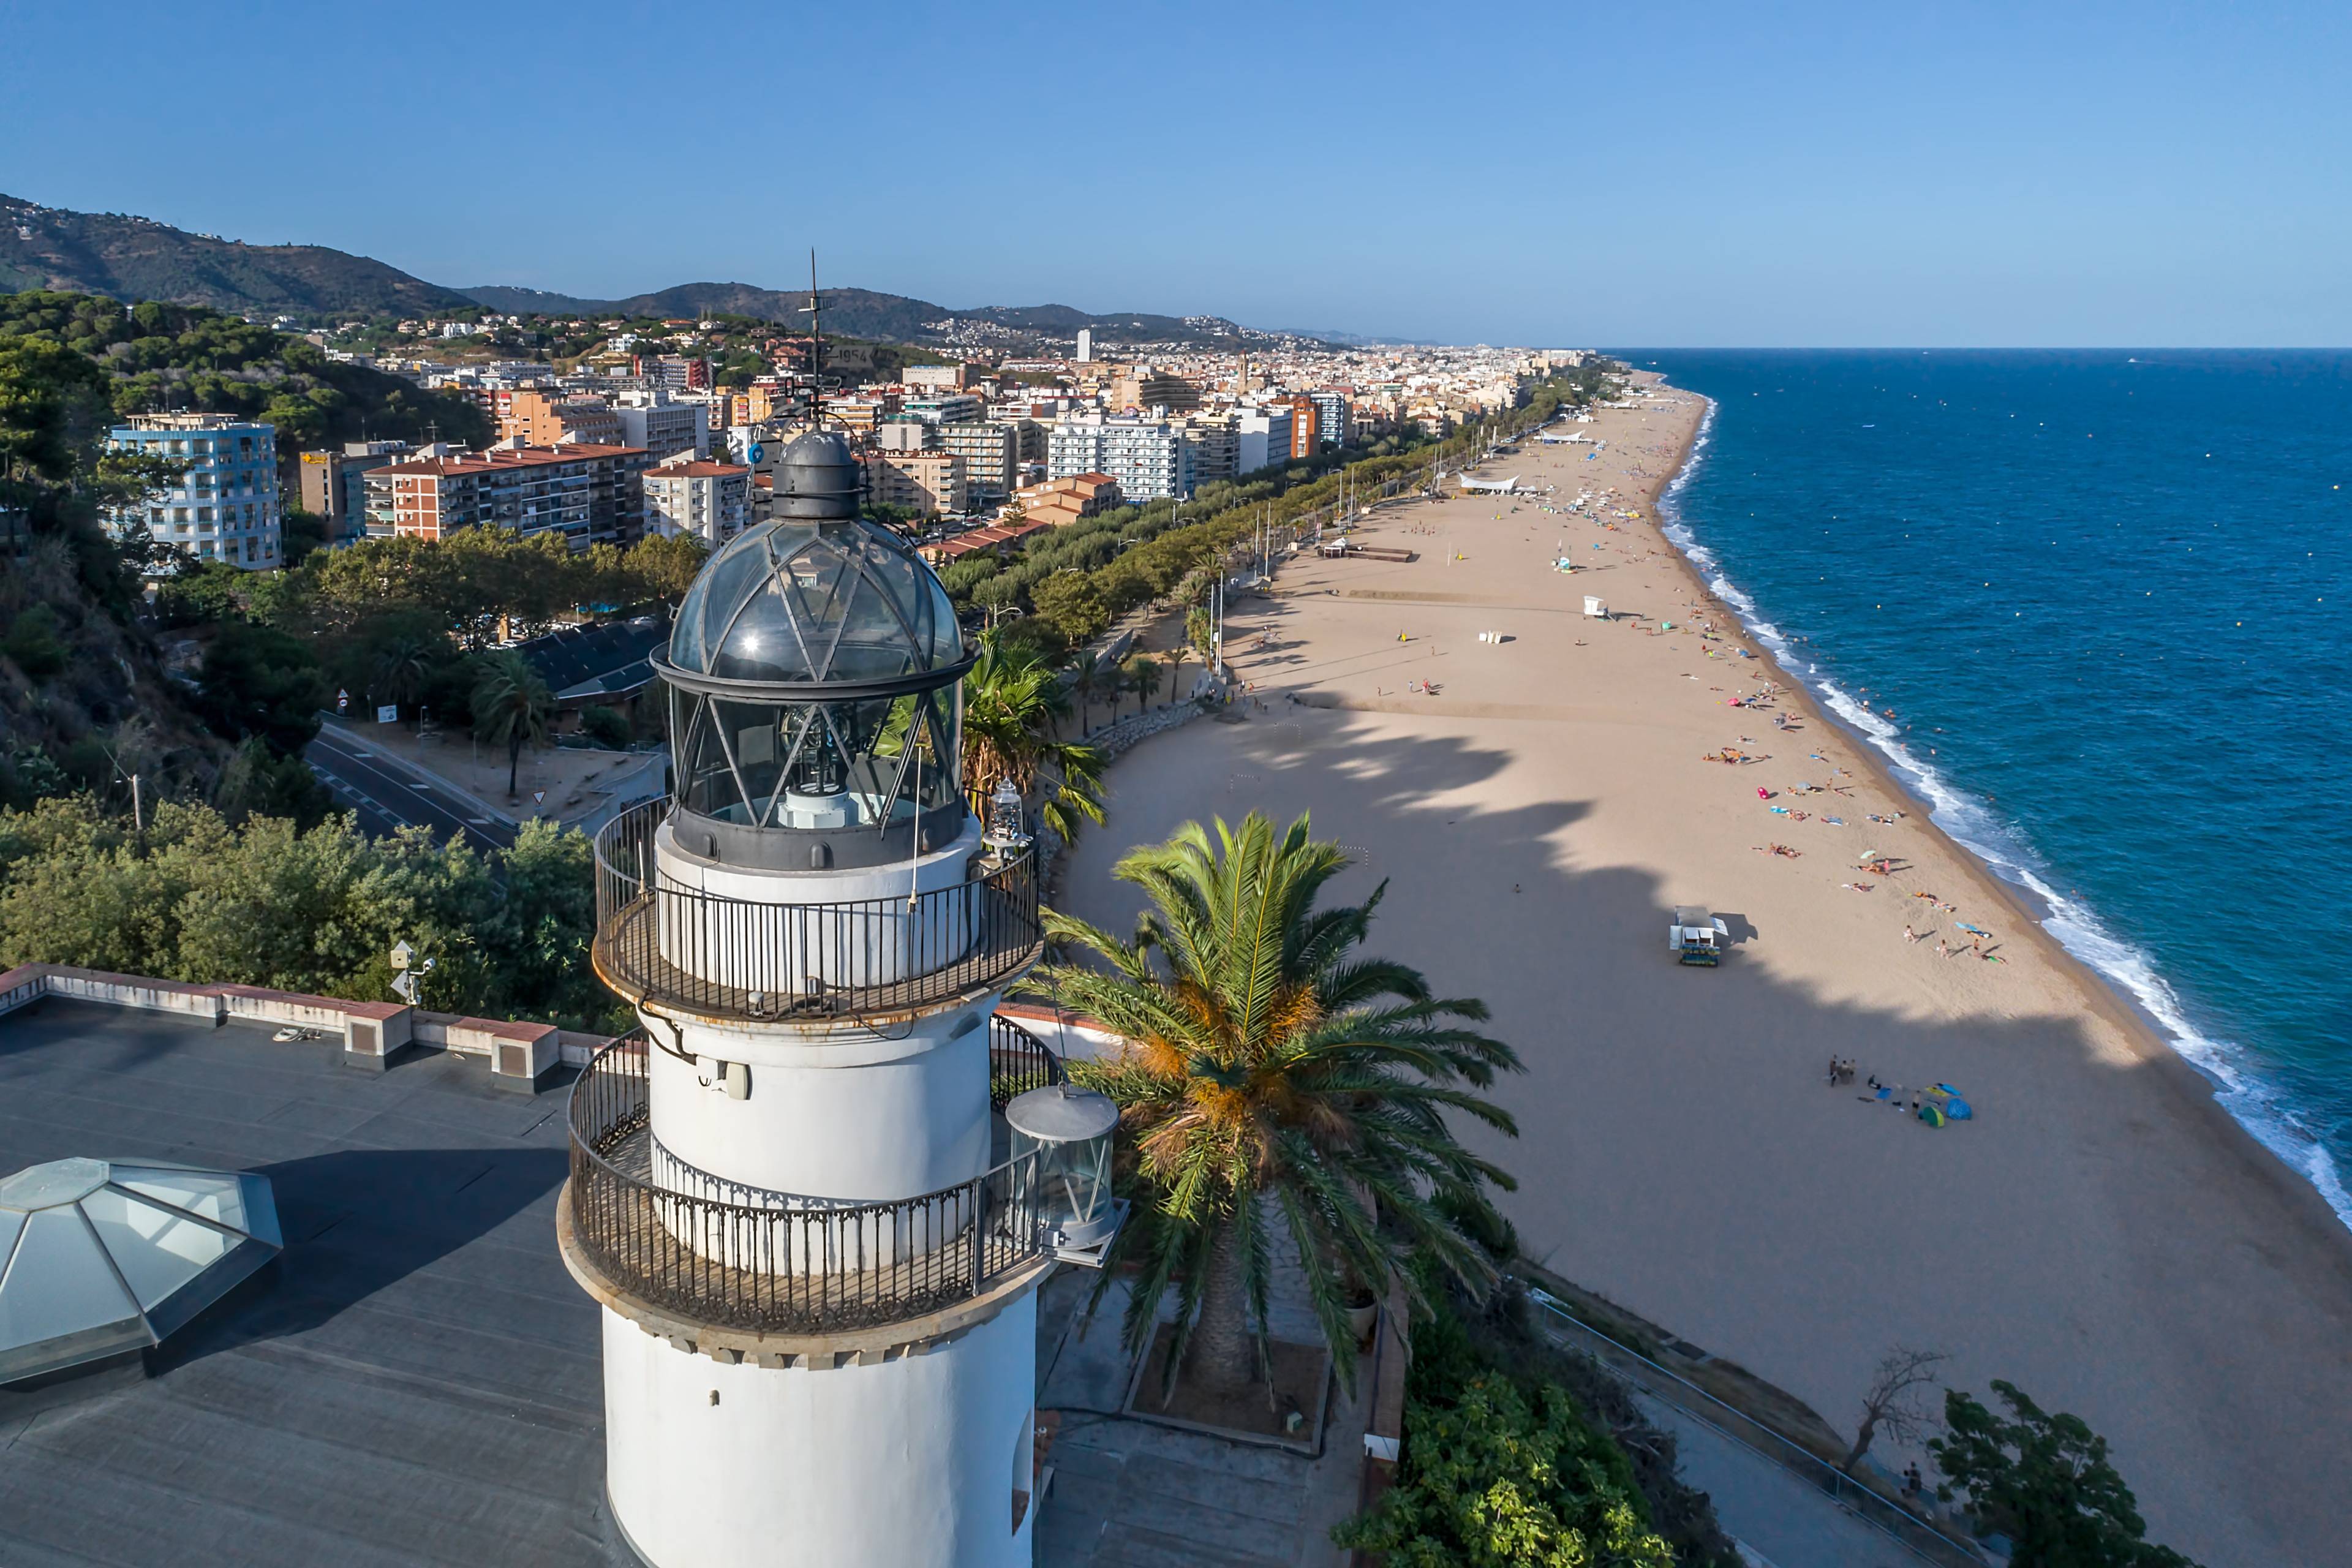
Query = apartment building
x=588 y=494
x=225 y=506
x=937 y=377
x=663 y=428
x=927 y=483
x=334 y=487
x=1336 y=426
x=1145 y=388
x=992 y=458
x=1149 y=457
x=1306 y=428
x=538 y=416
x=690 y=495
x=1261 y=438
x=1216 y=448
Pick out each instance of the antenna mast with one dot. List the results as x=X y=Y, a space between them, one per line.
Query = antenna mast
x=816 y=349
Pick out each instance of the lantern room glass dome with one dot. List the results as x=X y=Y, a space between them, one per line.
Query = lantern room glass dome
x=838 y=602
x=812 y=674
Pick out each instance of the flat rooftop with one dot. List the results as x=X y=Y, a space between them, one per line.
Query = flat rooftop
x=420 y=1383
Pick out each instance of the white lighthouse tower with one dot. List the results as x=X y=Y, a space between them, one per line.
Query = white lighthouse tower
x=815 y=1233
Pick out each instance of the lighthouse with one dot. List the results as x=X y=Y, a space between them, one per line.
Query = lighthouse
x=814 y=1194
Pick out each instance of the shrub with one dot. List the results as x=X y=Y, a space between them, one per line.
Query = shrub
x=607 y=727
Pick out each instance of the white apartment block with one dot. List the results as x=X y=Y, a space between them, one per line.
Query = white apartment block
x=926 y=483
x=1262 y=437
x=991 y=454
x=685 y=495
x=226 y=507
x=664 y=429
x=1149 y=457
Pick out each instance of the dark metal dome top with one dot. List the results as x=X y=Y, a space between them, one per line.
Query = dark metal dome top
x=818 y=604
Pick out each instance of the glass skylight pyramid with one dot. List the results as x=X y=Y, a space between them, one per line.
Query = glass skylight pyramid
x=99 y=1259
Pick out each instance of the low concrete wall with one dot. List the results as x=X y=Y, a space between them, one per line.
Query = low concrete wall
x=374 y=1031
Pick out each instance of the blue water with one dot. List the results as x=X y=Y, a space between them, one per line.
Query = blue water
x=2109 y=597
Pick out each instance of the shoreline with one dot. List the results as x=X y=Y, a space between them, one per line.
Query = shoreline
x=2103 y=993
x=2103 y=1233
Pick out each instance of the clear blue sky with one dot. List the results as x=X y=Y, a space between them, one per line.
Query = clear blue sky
x=1663 y=174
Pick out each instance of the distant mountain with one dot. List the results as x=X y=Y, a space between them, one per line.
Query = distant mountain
x=139 y=258
x=888 y=318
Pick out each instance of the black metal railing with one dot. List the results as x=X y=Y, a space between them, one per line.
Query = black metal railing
x=661 y=942
x=1018 y=1062
x=734 y=1256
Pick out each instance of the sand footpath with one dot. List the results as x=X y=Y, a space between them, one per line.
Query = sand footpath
x=2100 y=1233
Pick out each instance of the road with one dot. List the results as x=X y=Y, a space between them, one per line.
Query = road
x=386 y=795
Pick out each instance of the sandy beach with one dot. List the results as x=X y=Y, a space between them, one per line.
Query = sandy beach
x=2099 y=1232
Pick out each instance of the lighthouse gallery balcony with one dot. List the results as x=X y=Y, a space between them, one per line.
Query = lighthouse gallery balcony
x=713 y=1251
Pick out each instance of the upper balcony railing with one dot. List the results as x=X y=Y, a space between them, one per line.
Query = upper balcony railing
x=660 y=941
x=719 y=1253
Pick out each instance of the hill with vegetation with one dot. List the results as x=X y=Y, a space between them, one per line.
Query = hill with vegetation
x=159 y=357
x=139 y=258
x=886 y=318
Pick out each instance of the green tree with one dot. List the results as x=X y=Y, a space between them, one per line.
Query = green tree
x=1273 y=1073
x=256 y=680
x=511 y=706
x=32 y=643
x=2044 y=1481
x=665 y=565
x=1177 y=655
x=1014 y=706
x=1070 y=600
x=1143 y=680
x=1501 y=1476
x=1090 y=677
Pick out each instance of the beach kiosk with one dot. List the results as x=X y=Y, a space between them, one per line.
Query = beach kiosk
x=1697 y=936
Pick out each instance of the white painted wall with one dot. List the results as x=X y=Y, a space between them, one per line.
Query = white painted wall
x=858 y=1116
x=909 y=1464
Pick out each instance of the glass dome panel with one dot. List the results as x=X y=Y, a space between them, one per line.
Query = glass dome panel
x=807 y=603
x=59 y=1282
x=157 y=1250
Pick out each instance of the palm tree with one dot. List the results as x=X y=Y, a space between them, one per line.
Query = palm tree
x=511 y=704
x=398 y=674
x=1143 y=680
x=1013 y=705
x=1176 y=658
x=1272 y=1072
x=1087 y=676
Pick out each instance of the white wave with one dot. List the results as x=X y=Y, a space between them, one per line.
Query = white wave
x=2257 y=1105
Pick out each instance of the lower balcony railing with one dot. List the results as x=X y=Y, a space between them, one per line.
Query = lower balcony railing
x=689 y=1243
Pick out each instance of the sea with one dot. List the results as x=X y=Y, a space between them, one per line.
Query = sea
x=2095 y=609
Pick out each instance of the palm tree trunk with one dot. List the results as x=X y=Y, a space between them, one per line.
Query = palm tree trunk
x=1222 y=1358
x=514 y=764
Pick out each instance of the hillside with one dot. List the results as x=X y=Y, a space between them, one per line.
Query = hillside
x=139 y=258
x=886 y=318
x=167 y=356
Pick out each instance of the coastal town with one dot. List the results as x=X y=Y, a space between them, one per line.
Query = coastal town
x=930 y=789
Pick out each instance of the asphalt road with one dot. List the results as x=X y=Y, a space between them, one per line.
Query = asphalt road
x=387 y=796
